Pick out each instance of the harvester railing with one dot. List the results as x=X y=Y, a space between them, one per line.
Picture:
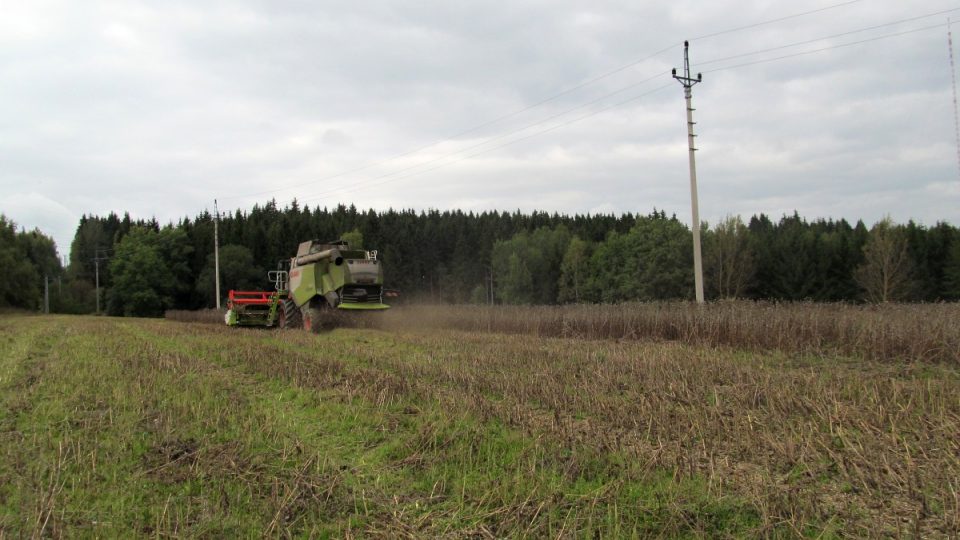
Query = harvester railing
x=280 y=278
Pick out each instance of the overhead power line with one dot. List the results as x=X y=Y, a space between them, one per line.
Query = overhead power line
x=372 y=181
x=478 y=127
x=832 y=36
x=840 y=46
x=771 y=21
x=508 y=143
x=752 y=53
x=521 y=129
x=543 y=101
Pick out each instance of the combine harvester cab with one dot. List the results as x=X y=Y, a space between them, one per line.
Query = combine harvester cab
x=328 y=277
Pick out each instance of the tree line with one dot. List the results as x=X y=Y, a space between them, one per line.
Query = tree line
x=503 y=257
x=28 y=262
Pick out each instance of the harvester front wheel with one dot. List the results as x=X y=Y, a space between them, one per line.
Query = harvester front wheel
x=318 y=317
x=289 y=316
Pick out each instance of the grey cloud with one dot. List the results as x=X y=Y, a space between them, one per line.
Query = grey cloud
x=159 y=108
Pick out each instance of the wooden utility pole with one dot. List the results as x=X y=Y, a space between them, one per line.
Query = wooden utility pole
x=687 y=81
x=96 y=264
x=216 y=250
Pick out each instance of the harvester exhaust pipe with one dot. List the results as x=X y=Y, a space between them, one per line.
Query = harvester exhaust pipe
x=333 y=254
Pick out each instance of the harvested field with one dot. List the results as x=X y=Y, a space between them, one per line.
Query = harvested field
x=117 y=427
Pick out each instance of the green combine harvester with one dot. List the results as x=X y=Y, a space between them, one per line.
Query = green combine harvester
x=322 y=280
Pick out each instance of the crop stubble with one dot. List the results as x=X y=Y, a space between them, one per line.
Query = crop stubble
x=760 y=439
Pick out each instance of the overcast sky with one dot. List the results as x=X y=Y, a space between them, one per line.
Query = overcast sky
x=158 y=108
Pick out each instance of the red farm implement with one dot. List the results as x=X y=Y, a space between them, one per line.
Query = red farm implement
x=253 y=308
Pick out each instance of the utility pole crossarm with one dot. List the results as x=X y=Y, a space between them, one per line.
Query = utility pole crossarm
x=688 y=82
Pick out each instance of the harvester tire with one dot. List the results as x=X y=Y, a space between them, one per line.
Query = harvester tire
x=319 y=317
x=289 y=316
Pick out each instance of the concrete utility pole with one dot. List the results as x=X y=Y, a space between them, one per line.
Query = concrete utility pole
x=688 y=83
x=46 y=294
x=953 y=81
x=216 y=249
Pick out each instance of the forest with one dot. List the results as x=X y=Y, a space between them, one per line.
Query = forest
x=144 y=268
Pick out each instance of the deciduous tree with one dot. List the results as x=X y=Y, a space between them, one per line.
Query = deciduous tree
x=237 y=271
x=728 y=260
x=19 y=283
x=574 y=270
x=885 y=274
x=143 y=283
x=651 y=262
